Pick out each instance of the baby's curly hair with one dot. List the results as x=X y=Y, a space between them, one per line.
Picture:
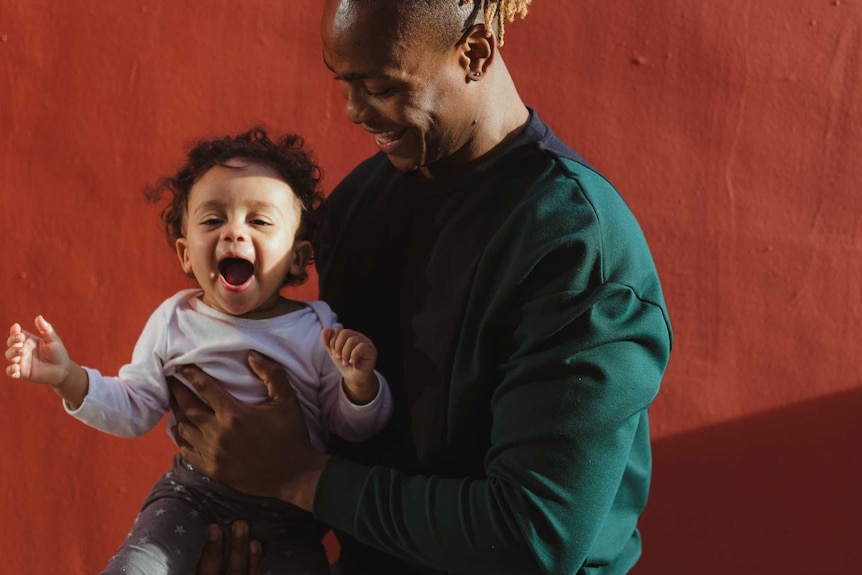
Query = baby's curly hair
x=285 y=155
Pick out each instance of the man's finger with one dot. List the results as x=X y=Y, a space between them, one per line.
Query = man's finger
x=238 y=560
x=184 y=401
x=210 y=392
x=182 y=443
x=186 y=434
x=210 y=561
x=255 y=558
x=272 y=374
x=186 y=406
x=190 y=438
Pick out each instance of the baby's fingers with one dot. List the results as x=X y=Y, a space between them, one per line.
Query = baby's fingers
x=46 y=330
x=14 y=352
x=332 y=339
x=15 y=343
x=355 y=348
x=16 y=335
x=364 y=350
x=328 y=335
x=13 y=371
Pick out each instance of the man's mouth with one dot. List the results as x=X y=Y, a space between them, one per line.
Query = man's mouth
x=235 y=273
x=388 y=139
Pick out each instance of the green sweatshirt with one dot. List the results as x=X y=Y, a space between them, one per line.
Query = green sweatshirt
x=522 y=327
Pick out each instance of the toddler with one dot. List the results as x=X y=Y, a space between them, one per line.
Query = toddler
x=243 y=216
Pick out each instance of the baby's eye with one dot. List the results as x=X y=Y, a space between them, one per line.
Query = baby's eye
x=257 y=222
x=211 y=222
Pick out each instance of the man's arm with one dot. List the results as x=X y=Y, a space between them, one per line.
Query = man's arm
x=566 y=417
x=562 y=349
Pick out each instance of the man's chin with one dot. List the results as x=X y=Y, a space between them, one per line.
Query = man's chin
x=403 y=164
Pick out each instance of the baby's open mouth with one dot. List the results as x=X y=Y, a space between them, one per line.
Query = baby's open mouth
x=235 y=271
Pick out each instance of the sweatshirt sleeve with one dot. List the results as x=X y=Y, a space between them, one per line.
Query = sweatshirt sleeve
x=134 y=401
x=582 y=346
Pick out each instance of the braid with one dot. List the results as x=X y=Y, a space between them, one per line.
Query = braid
x=503 y=11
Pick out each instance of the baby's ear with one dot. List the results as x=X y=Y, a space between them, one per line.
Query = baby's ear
x=300 y=258
x=182 y=246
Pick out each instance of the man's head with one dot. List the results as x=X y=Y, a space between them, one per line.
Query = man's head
x=419 y=75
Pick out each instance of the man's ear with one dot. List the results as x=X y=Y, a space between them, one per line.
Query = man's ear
x=182 y=246
x=300 y=257
x=477 y=50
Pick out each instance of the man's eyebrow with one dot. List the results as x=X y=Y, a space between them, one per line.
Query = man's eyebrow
x=353 y=76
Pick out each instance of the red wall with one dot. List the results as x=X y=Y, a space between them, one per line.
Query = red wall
x=732 y=128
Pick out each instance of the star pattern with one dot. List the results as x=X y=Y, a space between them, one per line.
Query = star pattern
x=166 y=521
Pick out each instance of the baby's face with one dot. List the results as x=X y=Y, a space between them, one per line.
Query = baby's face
x=240 y=228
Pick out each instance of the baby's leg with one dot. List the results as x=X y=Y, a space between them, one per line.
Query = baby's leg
x=166 y=539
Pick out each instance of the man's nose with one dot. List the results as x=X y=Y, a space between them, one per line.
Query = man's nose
x=357 y=107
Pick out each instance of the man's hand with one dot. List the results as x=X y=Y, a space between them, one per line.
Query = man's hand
x=244 y=558
x=259 y=449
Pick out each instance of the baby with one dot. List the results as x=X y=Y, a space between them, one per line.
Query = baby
x=244 y=214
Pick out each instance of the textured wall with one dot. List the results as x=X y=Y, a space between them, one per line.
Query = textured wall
x=732 y=129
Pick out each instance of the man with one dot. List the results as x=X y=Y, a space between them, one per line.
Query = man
x=516 y=308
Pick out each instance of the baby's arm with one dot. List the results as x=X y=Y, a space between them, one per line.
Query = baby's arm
x=355 y=357
x=43 y=359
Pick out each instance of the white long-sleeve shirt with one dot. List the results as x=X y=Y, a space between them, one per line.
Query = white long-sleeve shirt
x=183 y=330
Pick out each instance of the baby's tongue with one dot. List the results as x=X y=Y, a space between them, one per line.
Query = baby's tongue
x=236 y=271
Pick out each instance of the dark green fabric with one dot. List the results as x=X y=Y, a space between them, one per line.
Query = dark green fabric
x=562 y=341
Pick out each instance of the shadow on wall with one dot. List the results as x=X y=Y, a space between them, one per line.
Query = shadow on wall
x=779 y=492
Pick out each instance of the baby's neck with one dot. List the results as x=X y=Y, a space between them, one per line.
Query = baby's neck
x=272 y=308
x=281 y=306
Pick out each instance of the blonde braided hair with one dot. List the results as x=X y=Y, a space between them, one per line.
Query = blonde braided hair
x=503 y=11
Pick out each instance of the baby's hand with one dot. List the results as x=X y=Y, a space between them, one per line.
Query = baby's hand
x=355 y=357
x=41 y=359
x=350 y=349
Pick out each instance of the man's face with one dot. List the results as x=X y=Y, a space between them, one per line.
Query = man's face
x=409 y=94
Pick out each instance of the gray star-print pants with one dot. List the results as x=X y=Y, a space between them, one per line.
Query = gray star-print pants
x=170 y=530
